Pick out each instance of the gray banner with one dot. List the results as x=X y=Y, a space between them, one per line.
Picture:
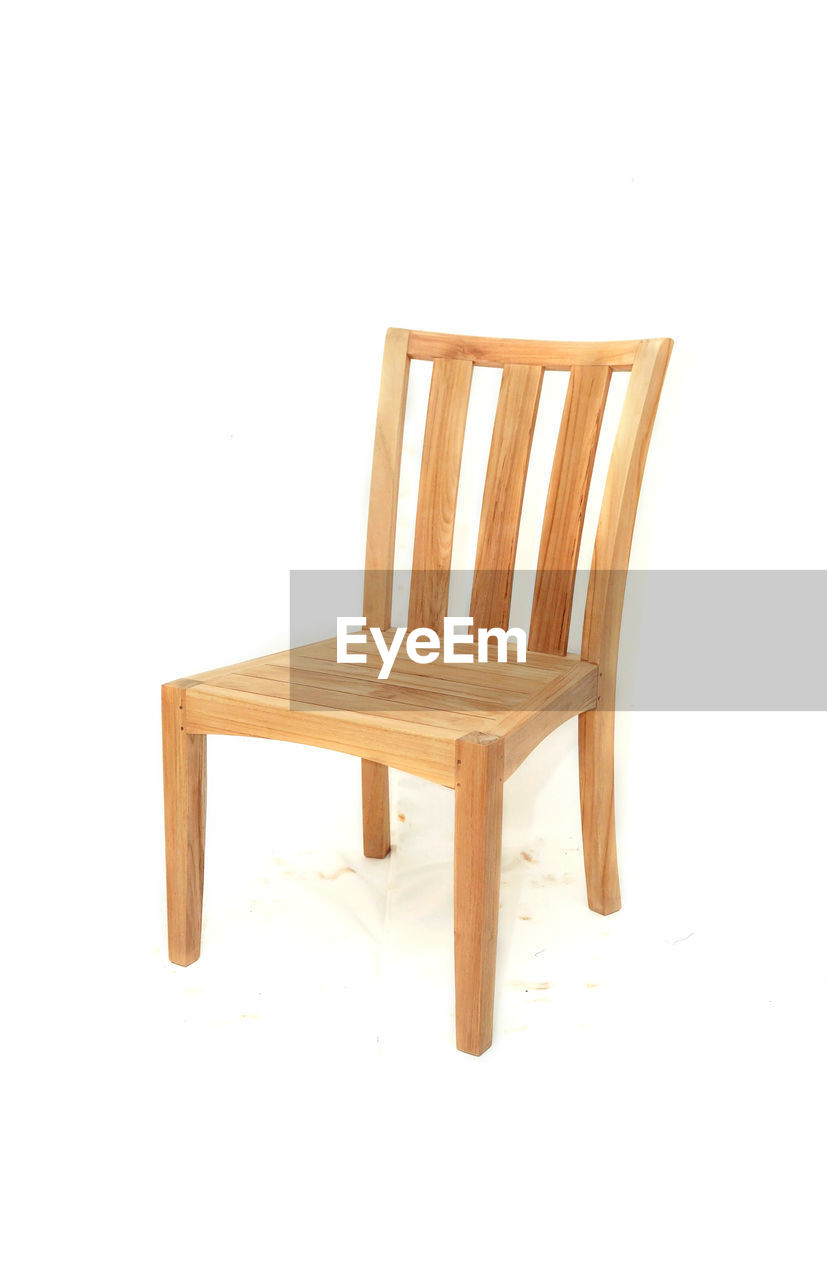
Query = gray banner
x=725 y=640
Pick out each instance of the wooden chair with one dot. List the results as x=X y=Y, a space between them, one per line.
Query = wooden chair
x=467 y=727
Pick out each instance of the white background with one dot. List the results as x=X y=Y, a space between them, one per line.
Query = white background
x=210 y=214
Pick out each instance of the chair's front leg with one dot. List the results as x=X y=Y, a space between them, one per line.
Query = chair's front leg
x=376 y=821
x=185 y=793
x=477 y=850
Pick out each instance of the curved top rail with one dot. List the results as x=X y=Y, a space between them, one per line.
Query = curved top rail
x=497 y=352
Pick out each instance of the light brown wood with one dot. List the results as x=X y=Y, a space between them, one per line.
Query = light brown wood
x=358 y=698
x=566 y=507
x=384 y=484
x=492 y=678
x=525 y=727
x=502 y=501
x=501 y=686
x=376 y=823
x=467 y=727
x=185 y=783
x=604 y=609
x=381 y=537
x=439 y=479
x=477 y=851
x=596 y=737
x=424 y=750
x=422 y=689
x=409 y=721
x=498 y=352
x=613 y=543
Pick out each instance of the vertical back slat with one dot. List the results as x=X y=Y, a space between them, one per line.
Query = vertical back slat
x=384 y=483
x=502 y=501
x=438 y=483
x=566 y=507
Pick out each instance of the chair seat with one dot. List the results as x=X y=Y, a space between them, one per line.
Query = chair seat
x=411 y=720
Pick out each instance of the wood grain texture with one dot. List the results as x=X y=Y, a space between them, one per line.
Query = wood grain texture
x=409 y=721
x=421 y=749
x=526 y=726
x=438 y=482
x=379 y=557
x=420 y=689
x=477 y=853
x=384 y=484
x=613 y=543
x=376 y=699
x=604 y=610
x=185 y=790
x=566 y=508
x=502 y=502
x=596 y=736
x=498 y=352
x=376 y=821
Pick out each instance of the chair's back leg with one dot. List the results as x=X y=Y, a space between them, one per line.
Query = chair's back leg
x=477 y=850
x=185 y=793
x=376 y=818
x=597 y=809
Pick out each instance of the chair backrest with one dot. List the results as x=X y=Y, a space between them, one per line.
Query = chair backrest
x=590 y=366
